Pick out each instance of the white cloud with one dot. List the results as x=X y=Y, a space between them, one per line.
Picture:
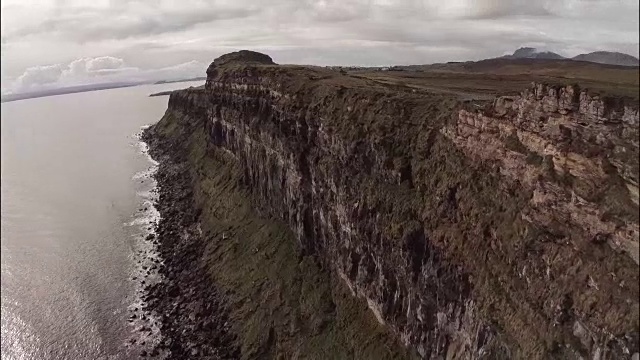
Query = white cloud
x=38 y=76
x=103 y=62
x=85 y=68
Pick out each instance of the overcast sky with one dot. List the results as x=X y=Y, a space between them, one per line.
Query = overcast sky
x=51 y=43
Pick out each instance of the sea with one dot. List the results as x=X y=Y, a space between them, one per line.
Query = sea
x=76 y=201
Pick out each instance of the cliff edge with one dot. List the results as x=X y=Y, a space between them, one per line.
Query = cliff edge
x=344 y=217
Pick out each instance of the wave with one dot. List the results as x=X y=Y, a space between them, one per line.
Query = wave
x=147 y=256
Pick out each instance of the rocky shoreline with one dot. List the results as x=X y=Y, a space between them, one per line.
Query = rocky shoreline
x=192 y=320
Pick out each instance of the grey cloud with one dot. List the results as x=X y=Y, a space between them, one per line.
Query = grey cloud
x=340 y=10
x=493 y=9
x=336 y=10
x=155 y=34
x=126 y=19
x=441 y=34
x=96 y=24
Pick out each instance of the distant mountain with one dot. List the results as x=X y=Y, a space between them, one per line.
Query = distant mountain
x=608 y=57
x=169 y=92
x=65 y=90
x=181 y=80
x=523 y=52
x=90 y=87
x=600 y=57
x=532 y=53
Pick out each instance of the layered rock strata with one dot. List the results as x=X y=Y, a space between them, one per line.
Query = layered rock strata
x=500 y=230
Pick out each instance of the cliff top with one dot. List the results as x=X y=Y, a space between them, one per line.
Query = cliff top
x=510 y=76
x=244 y=57
x=482 y=80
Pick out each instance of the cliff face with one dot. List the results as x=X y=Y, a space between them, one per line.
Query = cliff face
x=575 y=153
x=503 y=231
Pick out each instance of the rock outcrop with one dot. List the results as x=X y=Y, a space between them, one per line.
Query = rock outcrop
x=577 y=153
x=242 y=57
x=499 y=230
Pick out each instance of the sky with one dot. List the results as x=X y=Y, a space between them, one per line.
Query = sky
x=55 y=43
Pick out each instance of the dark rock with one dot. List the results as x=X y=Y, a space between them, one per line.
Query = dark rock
x=242 y=57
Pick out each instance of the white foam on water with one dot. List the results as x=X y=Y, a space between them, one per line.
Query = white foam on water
x=146 y=253
x=144 y=148
x=148 y=215
x=146 y=174
x=148 y=195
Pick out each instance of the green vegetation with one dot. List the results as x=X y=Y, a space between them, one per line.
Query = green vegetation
x=490 y=77
x=283 y=304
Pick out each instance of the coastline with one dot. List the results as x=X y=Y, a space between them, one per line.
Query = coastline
x=192 y=322
x=145 y=323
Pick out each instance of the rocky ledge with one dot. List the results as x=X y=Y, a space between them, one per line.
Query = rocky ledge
x=193 y=321
x=506 y=229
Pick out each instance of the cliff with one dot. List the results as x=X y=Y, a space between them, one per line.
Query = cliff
x=501 y=229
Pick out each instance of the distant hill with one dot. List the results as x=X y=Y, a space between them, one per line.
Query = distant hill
x=181 y=80
x=162 y=93
x=83 y=88
x=608 y=57
x=65 y=90
x=600 y=57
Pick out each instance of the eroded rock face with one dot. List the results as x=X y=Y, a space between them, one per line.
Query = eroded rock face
x=461 y=258
x=578 y=155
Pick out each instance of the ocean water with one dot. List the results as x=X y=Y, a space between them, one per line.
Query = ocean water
x=76 y=196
